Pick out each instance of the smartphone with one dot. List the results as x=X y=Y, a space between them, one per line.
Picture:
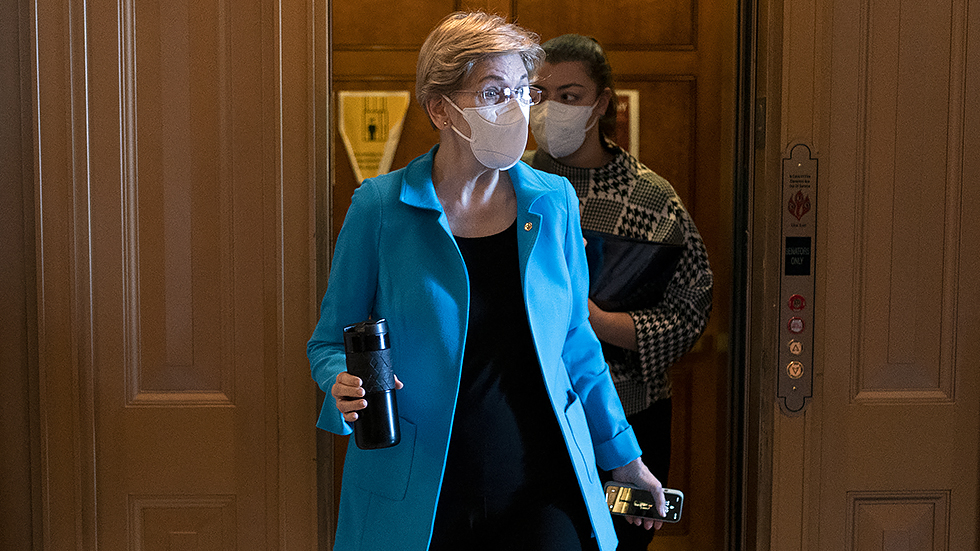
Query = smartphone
x=624 y=499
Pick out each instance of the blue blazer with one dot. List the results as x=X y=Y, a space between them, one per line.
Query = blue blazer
x=396 y=259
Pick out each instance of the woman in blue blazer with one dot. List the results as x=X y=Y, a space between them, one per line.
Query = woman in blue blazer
x=477 y=263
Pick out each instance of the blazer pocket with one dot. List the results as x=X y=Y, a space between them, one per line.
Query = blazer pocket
x=386 y=471
x=581 y=436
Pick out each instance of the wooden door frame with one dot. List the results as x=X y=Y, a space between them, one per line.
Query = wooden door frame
x=758 y=204
x=22 y=357
x=750 y=404
x=745 y=508
x=322 y=255
x=756 y=240
x=20 y=509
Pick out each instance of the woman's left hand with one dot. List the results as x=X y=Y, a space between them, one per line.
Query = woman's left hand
x=617 y=328
x=637 y=474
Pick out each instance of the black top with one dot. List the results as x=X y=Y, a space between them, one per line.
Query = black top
x=505 y=436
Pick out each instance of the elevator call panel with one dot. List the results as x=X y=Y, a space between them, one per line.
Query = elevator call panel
x=797 y=280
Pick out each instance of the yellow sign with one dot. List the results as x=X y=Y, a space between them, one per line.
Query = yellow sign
x=370 y=124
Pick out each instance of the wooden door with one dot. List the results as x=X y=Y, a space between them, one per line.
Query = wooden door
x=679 y=56
x=886 y=454
x=174 y=177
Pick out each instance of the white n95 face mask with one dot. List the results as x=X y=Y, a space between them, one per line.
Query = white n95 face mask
x=560 y=129
x=498 y=133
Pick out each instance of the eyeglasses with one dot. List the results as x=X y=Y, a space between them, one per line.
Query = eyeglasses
x=528 y=95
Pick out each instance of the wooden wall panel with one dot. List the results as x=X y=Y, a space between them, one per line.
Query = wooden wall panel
x=910 y=136
x=178 y=199
x=179 y=192
x=403 y=26
x=185 y=523
x=898 y=522
x=618 y=25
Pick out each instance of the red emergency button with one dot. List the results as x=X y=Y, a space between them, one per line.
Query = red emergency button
x=795 y=325
x=797 y=303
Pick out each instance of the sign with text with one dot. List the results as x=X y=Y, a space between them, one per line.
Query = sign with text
x=799 y=230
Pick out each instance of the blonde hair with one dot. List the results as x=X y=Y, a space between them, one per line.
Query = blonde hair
x=460 y=41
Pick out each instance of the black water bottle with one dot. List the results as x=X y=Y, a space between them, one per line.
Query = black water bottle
x=369 y=357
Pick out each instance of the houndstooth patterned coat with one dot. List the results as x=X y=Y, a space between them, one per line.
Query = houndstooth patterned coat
x=626 y=198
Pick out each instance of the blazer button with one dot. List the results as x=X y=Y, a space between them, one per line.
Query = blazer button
x=528 y=226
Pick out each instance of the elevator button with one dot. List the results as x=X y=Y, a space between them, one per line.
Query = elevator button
x=794 y=370
x=795 y=347
x=795 y=325
x=797 y=303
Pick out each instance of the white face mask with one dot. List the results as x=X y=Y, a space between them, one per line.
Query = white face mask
x=560 y=129
x=498 y=133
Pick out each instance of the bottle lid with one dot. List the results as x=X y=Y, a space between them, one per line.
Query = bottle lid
x=369 y=328
x=366 y=336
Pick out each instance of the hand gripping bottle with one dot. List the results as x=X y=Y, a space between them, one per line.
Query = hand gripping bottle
x=369 y=357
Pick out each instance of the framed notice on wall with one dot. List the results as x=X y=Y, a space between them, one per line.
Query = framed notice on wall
x=628 y=121
x=370 y=124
